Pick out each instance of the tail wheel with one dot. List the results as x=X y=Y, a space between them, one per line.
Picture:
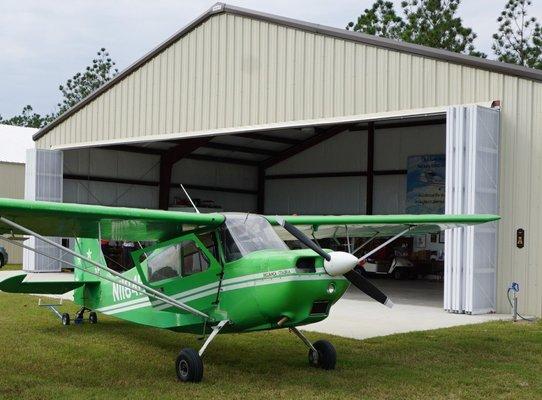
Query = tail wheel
x=325 y=356
x=189 y=366
x=65 y=319
x=1 y=260
x=92 y=317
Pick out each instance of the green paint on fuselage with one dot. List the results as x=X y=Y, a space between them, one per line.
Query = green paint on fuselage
x=256 y=292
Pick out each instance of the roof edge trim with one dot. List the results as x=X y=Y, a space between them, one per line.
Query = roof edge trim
x=438 y=54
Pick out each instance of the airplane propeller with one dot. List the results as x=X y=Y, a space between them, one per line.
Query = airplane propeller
x=340 y=263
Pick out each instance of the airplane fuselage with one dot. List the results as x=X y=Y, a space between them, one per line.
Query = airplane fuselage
x=254 y=293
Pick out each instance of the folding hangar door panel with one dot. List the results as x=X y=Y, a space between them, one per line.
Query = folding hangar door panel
x=472 y=178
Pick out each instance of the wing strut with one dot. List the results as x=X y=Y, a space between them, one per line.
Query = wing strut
x=369 y=254
x=145 y=289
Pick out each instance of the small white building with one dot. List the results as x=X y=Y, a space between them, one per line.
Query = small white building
x=14 y=141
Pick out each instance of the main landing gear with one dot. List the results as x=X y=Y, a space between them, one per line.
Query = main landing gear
x=189 y=363
x=322 y=354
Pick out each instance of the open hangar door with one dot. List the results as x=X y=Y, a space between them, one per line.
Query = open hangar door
x=375 y=167
x=363 y=170
x=346 y=167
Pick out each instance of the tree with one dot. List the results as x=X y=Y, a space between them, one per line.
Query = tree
x=73 y=91
x=84 y=83
x=28 y=118
x=519 y=38
x=432 y=23
x=380 y=20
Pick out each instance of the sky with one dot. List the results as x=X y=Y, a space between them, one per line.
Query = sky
x=44 y=43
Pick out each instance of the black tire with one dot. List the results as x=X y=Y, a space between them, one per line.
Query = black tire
x=92 y=317
x=65 y=319
x=398 y=274
x=326 y=357
x=1 y=260
x=189 y=366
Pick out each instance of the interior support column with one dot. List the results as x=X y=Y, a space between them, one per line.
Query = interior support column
x=370 y=168
x=260 y=207
x=169 y=159
x=165 y=183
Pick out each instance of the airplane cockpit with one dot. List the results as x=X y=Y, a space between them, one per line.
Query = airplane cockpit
x=244 y=233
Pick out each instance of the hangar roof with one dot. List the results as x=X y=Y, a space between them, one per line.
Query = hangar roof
x=14 y=141
x=219 y=8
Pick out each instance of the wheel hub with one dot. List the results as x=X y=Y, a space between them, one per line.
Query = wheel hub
x=313 y=357
x=183 y=368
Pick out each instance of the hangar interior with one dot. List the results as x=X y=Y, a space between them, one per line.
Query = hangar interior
x=347 y=168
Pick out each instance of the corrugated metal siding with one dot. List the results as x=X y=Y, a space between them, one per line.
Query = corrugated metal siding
x=12 y=187
x=233 y=71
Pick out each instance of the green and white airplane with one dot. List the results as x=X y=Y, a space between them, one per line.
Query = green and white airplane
x=206 y=273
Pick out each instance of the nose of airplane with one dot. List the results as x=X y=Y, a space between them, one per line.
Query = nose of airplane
x=340 y=263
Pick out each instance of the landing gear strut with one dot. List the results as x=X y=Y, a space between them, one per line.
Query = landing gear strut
x=322 y=354
x=189 y=363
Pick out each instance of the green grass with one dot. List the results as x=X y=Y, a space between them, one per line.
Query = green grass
x=40 y=359
x=10 y=267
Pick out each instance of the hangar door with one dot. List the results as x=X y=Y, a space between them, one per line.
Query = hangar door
x=472 y=178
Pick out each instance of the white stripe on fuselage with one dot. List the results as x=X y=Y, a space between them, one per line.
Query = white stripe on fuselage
x=265 y=278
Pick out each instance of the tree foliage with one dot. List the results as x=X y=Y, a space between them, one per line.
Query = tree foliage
x=73 y=91
x=379 y=20
x=28 y=118
x=84 y=83
x=431 y=23
x=519 y=38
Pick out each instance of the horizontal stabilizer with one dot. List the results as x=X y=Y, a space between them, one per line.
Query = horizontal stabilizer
x=43 y=283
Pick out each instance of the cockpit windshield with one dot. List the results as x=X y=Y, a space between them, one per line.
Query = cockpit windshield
x=246 y=233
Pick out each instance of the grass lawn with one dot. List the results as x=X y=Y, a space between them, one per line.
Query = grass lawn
x=40 y=359
x=10 y=267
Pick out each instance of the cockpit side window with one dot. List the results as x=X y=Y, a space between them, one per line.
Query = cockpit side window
x=231 y=250
x=181 y=259
x=193 y=260
x=209 y=241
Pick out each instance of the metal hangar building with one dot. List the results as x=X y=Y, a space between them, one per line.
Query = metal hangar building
x=259 y=113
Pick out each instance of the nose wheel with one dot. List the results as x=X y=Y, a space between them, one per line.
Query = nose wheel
x=322 y=354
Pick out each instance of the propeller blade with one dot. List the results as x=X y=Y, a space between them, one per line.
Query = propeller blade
x=303 y=238
x=367 y=287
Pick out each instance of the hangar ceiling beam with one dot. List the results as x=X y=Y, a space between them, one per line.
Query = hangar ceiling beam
x=134 y=149
x=168 y=159
x=269 y=138
x=240 y=149
x=140 y=182
x=227 y=160
x=321 y=136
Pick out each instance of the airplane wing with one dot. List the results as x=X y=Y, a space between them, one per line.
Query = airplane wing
x=329 y=226
x=90 y=221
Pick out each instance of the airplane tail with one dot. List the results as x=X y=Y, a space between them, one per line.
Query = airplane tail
x=53 y=282
x=92 y=249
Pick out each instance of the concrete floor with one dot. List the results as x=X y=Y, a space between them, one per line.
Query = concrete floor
x=418 y=307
